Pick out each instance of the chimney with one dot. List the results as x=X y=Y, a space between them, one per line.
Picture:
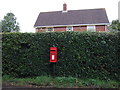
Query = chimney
x=64 y=7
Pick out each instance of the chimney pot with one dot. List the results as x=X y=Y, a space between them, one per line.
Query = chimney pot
x=64 y=7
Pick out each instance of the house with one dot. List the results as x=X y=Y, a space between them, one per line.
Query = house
x=72 y=20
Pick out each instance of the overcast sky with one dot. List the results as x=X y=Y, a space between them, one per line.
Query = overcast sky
x=27 y=11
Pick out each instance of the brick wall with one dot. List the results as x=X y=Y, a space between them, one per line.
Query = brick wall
x=80 y=28
x=59 y=29
x=41 y=30
x=38 y=30
x=75 y=28
x=101 y=28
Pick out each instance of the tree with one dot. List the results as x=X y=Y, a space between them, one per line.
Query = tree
x=115 y=25
x=9 y=23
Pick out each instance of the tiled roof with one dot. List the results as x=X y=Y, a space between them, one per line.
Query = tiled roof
x=88 y=16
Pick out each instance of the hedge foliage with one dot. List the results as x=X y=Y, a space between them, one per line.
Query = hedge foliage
x=80 y=54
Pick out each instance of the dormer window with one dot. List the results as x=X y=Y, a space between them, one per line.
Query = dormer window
x=69 y=28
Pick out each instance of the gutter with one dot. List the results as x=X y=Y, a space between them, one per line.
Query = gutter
x=73 y=25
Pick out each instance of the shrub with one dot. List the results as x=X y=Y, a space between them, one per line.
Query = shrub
x=80 y=54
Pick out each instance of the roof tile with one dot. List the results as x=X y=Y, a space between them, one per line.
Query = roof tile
x=88 y=16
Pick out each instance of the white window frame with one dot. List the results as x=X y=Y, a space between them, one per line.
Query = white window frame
x=68 y=28
x=49 y=28
x=91 y=28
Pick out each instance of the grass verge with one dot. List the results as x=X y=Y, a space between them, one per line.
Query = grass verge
x=59 y=82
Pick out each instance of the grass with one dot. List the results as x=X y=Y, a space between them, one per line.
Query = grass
x=59 y=82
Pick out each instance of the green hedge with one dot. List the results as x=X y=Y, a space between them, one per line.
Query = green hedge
x=80 y=54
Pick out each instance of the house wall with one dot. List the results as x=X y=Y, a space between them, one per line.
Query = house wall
x=80 y=28
x=37 y=29
x=41 y=30
x=59 y=29
x=99 y=28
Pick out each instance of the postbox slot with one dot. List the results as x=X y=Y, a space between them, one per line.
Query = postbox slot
x=52 y=50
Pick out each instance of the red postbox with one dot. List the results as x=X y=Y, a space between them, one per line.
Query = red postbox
x=53 y=54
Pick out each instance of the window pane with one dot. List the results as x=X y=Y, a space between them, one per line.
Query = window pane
x=49 y=29
x=91 y=28
x=70 y=28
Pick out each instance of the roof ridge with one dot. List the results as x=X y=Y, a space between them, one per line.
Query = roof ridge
x=87 y=9
x=74 y=10
x=50 y=11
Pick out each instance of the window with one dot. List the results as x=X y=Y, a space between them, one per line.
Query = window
x=49 y=30
x=41 y=29
x=91 y=28
x=69 y=28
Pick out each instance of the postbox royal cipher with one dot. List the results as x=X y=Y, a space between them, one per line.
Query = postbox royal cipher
x=53 y=54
